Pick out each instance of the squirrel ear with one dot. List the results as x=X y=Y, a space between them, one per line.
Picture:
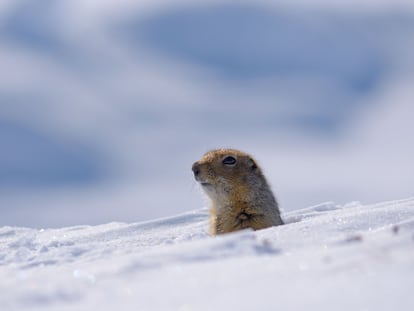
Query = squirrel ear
x=252 y=164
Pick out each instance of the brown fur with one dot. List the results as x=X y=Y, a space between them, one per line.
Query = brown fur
x=241 y=197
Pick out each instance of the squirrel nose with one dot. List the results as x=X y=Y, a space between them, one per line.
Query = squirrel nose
x=196 y=169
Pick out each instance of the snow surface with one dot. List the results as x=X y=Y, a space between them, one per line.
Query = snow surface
x=326 y=257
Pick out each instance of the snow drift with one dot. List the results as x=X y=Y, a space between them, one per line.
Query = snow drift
x=326 y=257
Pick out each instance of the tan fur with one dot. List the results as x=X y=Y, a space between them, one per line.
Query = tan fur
x=241 y=197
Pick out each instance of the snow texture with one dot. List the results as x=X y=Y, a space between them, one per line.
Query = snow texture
x=326 y=257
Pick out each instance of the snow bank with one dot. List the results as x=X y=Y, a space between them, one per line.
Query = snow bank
x=327 y=257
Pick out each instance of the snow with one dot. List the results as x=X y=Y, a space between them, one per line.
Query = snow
x=326 y=257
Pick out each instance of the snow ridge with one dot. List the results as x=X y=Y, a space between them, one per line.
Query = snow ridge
x=346 y=257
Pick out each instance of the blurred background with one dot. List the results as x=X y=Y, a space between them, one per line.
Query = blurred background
x=105 y=105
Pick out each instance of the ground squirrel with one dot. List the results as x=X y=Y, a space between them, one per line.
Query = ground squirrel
x=241 y=197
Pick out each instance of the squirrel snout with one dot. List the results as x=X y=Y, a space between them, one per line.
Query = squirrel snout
x=196 y=169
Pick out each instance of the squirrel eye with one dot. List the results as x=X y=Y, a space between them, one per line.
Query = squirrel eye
x=229 y=160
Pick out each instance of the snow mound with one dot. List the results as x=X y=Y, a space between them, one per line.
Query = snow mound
x=326 y=257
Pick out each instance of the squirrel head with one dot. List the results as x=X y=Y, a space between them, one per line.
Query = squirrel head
x=223 y=173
